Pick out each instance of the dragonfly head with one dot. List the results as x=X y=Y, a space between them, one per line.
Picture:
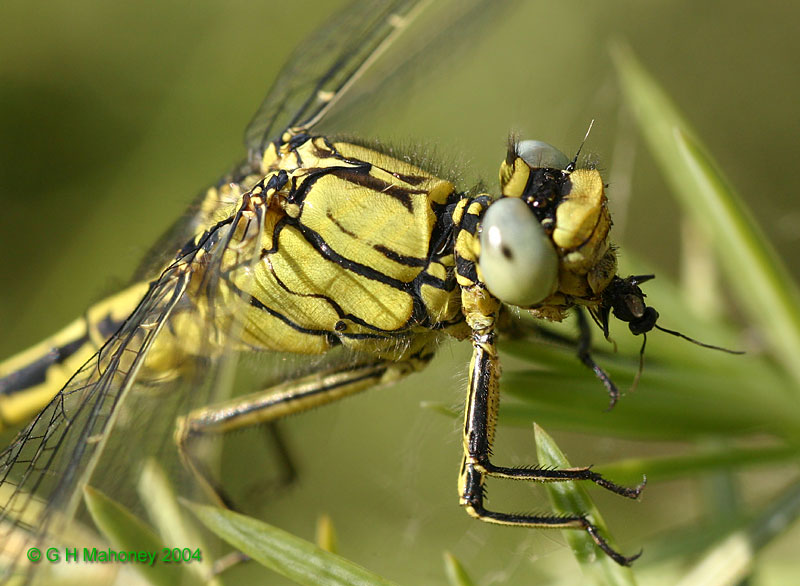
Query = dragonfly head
x=544 y=244
x=545 y=247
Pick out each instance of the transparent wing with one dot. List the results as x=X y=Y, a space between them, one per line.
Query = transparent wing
x=43 y=472
x=324 y=65
x=436 y=46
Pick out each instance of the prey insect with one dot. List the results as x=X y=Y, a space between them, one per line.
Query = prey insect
x=314 y=244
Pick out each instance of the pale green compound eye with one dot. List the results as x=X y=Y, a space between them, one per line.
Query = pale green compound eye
x=518 y=262
x=539 y=154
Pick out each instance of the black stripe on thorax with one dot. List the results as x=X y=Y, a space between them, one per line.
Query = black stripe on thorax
x=470 y=222
x=340 y=313
x=333 y=338
x=466 y=268
x=255 y=302
x=361 y=176
x=425 y=278
x=409 y=261
x=323 y=248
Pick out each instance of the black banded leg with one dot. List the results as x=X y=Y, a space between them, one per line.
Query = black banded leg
x=585 y=356
x=280 y=401
x=279 y=452
x=521 y=329
x=274 y=435
x=479 y=428
x=472 y=500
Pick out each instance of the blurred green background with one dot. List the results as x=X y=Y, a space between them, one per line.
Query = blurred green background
x=113 y=116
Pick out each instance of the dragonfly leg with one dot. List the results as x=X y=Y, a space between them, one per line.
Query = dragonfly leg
x=479 y=429
x=585 y=356
x=275 y=437
x=514 y=328
x=282 y=400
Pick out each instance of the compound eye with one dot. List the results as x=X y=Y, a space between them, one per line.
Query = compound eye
x=518 y=262
x=539 y=154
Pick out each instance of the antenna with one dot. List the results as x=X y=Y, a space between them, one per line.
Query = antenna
x=571 y=166
x=625 y=300
x=697 y=342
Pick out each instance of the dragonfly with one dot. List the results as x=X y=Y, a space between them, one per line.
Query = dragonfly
x=316 y=245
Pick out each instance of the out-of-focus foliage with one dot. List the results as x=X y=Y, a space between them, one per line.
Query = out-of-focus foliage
x=114 y=115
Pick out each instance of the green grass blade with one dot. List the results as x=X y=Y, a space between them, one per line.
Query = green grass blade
x=174 y=525
x=456 y=573
x=293 y=557
x=326 y=534
x=728 y=563
x=569 y=498
x=126 y=532
x=731 y=560
x=660 y=469
x=561 y=392
x=760 y=281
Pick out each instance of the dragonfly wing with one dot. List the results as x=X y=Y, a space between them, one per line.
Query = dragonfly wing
x=106 y=411
x=323 y=66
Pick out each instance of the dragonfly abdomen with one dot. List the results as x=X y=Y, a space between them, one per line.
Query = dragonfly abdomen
x=31 y=378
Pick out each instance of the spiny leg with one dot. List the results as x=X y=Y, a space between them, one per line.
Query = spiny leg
x=515 y=328
x=472 y=499
x=479 y=427
x=279 y=452
x=282 y=400
x=272 y=404
x=273 y=434
x=585 y=356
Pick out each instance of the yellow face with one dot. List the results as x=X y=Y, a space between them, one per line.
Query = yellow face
x=545 y=244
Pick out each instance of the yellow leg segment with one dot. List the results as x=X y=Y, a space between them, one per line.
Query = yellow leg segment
x=282 y=400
